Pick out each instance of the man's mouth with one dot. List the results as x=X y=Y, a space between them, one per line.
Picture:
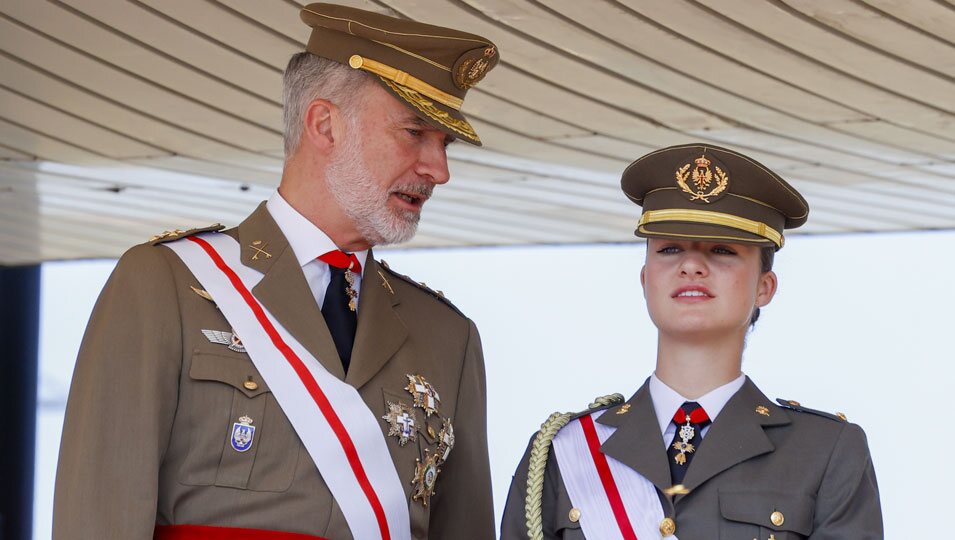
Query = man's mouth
x=413 y=197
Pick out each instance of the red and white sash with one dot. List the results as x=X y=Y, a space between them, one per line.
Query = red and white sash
x=615 y=501
x=337 y=428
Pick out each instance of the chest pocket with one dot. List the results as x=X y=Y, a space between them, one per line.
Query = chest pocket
x=239 y=436
x=761 y=514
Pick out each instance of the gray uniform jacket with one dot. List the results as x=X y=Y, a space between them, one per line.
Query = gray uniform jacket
x=757 y=458
x=147 y=435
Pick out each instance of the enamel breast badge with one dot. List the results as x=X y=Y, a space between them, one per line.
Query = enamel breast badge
x=243 y=432
x=401 y=423
x=425 y=478
x=425 y=396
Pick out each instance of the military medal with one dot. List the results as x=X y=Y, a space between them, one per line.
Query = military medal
x=683 y=446
x=225 y=338
x=425 y=396
x=401 y=423
x=425 y=477
x=242 y=434
x=350 y=290
x=445 y=441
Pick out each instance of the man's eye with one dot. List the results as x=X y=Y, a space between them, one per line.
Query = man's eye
x=414 y=132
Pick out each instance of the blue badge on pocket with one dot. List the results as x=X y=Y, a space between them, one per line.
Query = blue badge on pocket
x=242 y=434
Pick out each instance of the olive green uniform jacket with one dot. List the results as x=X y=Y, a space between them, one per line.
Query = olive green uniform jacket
x=149 y=420
x=756 y=459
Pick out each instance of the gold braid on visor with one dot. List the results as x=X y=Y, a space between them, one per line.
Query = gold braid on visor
x=713 y=218
x=406 y=80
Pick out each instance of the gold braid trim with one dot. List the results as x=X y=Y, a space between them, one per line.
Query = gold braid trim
x=538 y=463
x=436 y=114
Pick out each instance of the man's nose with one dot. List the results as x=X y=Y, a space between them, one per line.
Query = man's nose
x=433 y=162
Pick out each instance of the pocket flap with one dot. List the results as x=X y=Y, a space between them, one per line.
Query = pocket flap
x=240 y=374
x=793 y=511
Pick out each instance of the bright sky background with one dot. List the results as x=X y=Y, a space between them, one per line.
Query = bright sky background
x=862 y=324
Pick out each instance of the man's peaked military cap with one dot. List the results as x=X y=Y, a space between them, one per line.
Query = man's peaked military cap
x=704 y=192
x=428 y=67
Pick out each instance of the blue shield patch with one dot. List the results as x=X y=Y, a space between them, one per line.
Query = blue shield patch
x=242 y=435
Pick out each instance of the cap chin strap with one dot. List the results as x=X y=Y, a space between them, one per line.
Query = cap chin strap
x=404 y=79
x=713 y=218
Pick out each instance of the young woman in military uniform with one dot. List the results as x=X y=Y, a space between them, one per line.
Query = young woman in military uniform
x=699 y=452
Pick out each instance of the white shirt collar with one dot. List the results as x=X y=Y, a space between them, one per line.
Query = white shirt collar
x=308 y=242
x=666 y=400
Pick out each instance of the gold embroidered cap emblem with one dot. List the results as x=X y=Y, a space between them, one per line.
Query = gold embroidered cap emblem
x=471 y=68
x=702 y=176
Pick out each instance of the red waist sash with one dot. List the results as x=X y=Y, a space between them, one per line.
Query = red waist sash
x=204 y=532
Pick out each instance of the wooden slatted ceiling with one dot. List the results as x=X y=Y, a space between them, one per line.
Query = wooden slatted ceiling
x=122 y=118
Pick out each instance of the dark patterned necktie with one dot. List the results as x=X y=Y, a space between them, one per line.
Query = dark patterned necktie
x=340 y=305
x=690 y=419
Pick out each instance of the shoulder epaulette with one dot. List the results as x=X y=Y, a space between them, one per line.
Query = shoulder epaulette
x=169 y=236
x=421 y=285
x=796 y=406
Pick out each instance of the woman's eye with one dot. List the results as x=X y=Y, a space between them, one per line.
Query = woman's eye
x=669 y=249
x=720 y=250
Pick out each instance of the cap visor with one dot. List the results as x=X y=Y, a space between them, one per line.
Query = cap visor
x=440 y=116
x=700 y=231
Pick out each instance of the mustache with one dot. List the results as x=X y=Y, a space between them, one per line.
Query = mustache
x=424 y=190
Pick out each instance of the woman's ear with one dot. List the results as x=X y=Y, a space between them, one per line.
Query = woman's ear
x=766 y=288
x=643 y=280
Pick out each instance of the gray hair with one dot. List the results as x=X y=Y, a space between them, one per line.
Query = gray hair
x=309 y=77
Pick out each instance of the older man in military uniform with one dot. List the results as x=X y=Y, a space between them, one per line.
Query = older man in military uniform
x=698 y=452
x=274 y=380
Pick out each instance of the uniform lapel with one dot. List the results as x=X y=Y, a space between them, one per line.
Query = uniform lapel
x=637 y=442
x=380 y=330
x=283 y=289
x=736 y=436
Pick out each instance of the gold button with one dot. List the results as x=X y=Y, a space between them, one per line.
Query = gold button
x=777 y=518
x=794 y=403
x=250 y=385
x=574 y=515
x=667 y=527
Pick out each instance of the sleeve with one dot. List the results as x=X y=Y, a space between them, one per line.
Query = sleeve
x=847 y=505
x=555 y=503
x=463 y=506
x=514 y=522
x=121 y=405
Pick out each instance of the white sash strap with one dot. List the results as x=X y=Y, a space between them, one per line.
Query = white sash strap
x=615 y=501
x=337 y=428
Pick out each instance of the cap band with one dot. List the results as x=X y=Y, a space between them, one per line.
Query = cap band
x=404 y=79
x=713 y=218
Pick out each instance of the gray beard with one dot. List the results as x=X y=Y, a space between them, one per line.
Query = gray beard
x=364 y=201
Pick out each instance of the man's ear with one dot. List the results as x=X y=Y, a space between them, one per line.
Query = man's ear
x=322 y=125
x=766 y=288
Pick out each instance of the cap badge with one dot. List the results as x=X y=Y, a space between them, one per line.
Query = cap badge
x=471 y=70
x=702 y=177
x=242 y=434
x=401 y=423
x=425 y=477
x=425 y=396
